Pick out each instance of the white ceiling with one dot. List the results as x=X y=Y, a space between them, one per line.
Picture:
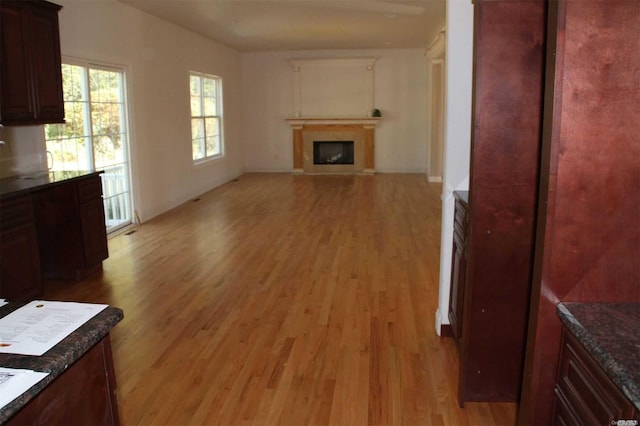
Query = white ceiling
x=277 y=25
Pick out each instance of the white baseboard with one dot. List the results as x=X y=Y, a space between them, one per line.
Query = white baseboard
x=438 y=322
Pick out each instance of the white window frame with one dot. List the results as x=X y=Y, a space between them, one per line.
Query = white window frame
x=202 y=116
x=127 y=198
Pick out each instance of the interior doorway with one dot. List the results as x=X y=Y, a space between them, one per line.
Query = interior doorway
x=437 y=73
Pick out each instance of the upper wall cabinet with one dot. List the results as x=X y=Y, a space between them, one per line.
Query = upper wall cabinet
x=30 y=65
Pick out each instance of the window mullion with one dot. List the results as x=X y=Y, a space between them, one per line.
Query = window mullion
x=204 y=120
x=88 y=126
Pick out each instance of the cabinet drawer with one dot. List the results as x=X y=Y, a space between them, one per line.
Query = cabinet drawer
x=460 y=221
x=460 y=218
x=563 y=414
x=15 y=212
x=584 y=387
x=89 y=189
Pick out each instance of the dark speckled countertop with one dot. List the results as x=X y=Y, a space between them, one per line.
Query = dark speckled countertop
x=60 y=357
x=18 y=185
x=610 y=332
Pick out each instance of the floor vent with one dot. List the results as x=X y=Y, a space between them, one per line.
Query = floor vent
x=195 y=199
x=130 y=232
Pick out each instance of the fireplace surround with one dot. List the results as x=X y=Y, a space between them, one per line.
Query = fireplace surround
x=360 y=131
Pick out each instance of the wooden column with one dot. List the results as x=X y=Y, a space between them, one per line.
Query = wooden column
x=297 y=150
x=369 y=150
x=505 y=141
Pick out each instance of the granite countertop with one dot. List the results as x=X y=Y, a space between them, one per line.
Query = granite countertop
x=610 y=332
x=18 y=185
x=60 y=357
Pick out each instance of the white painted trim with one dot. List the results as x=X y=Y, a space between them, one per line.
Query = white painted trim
x=459 y=66
x=436 y=60
x=367 y=123
x=438 y=45
x=365 y=62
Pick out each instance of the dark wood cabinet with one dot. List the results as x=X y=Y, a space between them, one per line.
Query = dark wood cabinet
x=458 y=264
x=85 y=394
x=50 y=228
x=584 y=395
x=588 y=241
x=507 y=103
x=71 y=228
x=30 y=63
x=19 y=261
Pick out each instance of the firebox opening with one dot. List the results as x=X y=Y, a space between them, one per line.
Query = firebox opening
x=332 y=152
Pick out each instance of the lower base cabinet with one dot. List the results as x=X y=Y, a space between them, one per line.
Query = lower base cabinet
x=19 y=260
x=458 y=264
x=584 y=395
x=55 y=231
x=71 y=228
x=82 y=395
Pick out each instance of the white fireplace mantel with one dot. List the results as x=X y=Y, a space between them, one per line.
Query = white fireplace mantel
x=367 y=122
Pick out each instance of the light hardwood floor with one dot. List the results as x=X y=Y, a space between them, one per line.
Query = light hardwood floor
x=285 y=300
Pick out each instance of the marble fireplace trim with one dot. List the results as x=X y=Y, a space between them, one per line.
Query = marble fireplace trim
x=360 y=131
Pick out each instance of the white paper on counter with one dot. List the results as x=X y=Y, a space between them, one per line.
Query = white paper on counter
x=38 y=326
x=15 y=382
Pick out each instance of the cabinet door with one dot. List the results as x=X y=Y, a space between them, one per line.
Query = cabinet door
x=15 y=75
x=46 y=62
x=59 y=231
x=31 y=75
x=458 y=276
x=83 y=395
x=94 y=233
x=19 y=261
x=19 y=264
x=584 y=394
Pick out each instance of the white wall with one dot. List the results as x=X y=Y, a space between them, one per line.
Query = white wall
x=399 y=92
x=457 y=133
x=158 y=57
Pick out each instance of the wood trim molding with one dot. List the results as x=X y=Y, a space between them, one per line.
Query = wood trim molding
x=363 y=68
x=438 y=46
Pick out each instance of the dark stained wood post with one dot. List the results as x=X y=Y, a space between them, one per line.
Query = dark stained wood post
x=506 y=130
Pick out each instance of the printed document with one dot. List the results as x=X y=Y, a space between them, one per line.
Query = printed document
x=15 y=382
x=38 y=326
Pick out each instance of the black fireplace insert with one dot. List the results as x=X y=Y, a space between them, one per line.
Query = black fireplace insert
x=332 y=152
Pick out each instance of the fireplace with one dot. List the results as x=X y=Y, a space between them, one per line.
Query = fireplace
x=349 y=145
x=332 y=152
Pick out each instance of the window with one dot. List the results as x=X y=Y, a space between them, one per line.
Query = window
x=206 y=116
x=94 y=135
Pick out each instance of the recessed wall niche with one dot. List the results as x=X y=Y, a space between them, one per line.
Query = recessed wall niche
x=340 y=87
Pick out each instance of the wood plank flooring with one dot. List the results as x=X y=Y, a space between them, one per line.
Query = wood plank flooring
x=285 y=300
